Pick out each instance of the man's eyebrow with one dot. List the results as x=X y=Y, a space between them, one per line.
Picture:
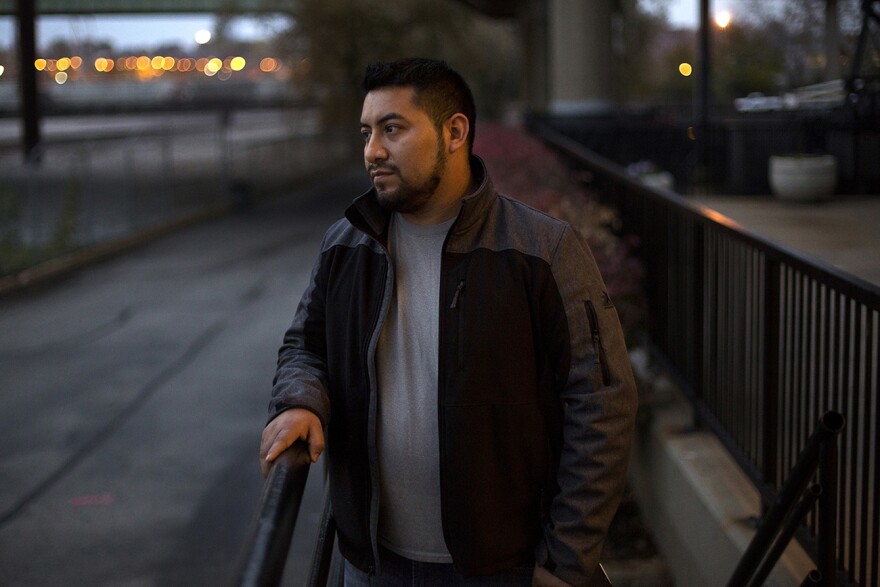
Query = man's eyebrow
x=386 y=118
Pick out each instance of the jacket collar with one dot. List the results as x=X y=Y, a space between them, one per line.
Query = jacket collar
x=369 y=216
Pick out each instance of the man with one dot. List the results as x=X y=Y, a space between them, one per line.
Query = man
x=461 y=354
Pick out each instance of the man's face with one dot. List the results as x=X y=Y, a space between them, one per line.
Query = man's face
x=404 y=153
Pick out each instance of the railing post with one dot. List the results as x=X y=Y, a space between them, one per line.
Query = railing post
x=810 y=459
x=322 y=558
x=699 y=301
x=770 y=397
x=826 y=541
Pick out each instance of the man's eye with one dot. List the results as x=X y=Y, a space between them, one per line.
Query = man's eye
x=366 y=135
x=391 y=129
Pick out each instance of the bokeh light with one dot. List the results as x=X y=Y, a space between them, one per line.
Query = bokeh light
x=237 y=63
x=685 y=69
x=203 y=36
x=60 y=77
x=722 y=18
x=213 y=66
x=40 y=64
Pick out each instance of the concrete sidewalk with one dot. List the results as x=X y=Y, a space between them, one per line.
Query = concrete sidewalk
x=843 y=231
x=133 y=396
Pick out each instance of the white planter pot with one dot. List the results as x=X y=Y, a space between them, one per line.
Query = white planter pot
x=803 y=177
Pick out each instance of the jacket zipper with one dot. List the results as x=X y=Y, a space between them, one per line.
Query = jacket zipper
x=455 y=305
x=599 y=348
x=372 y=449
x=457 y=294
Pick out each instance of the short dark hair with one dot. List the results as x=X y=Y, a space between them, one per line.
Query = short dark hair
x=438 y=89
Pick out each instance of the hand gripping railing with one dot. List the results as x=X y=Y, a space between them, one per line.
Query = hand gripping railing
x=788 y=513
x=265 y=552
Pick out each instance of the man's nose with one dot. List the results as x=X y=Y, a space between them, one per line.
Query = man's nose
x=374 y=150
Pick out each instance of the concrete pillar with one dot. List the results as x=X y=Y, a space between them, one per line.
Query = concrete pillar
x=580 y=57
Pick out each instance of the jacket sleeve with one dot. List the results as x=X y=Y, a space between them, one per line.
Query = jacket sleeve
x=600 y=400
x=301 y=375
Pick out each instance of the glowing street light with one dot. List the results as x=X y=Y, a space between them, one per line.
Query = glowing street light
x=685 y=69
x=722 y=19
x=203 y=36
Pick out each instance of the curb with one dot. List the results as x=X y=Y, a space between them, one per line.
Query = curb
x=59 y=267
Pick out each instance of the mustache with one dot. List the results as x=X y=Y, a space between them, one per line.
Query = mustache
x=383 y=168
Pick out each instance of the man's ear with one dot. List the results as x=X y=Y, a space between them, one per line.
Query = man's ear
x=459 y=129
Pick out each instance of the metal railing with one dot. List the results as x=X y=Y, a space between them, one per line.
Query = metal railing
x=264 y=553
x=118 y=177
x=265 y=550
x=763 y=340
x=793 y=505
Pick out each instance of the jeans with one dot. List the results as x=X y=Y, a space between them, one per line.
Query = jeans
x=401 y=572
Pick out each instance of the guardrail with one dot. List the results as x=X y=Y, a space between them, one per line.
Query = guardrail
x=109 y=179
x=793 y=504
x=265 y=550
x=763 y=340
x=264 y=553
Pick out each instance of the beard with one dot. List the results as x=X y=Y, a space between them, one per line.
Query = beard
x=410 y=197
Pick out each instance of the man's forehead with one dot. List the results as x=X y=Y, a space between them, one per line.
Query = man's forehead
x=398 y=101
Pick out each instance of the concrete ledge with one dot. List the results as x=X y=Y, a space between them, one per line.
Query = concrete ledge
x=697 y=501
x=61 y=266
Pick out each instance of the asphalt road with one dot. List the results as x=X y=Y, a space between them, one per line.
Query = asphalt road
x=133 y=394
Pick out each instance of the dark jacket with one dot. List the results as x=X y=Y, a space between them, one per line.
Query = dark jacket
x=535 y=391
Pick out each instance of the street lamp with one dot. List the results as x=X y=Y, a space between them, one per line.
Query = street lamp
x=722 y=19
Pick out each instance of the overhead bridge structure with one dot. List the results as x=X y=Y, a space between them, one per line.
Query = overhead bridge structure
x=72 y=7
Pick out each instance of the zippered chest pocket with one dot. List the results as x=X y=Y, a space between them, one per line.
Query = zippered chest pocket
x=598 y=346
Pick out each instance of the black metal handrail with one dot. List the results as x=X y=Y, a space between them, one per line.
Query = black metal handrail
x=793 y=504
x=763 y=340
x=265 y=551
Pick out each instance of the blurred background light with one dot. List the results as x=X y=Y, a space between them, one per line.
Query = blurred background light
x=685 y=69
x=268 y=64
x=202 y=36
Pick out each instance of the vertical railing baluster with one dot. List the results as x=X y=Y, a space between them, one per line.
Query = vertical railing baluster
x=699 y=346
x=770 y=466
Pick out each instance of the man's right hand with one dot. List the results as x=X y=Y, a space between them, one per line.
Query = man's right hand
x=285 y=429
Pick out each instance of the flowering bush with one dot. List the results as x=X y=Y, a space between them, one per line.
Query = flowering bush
x=524 y=168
